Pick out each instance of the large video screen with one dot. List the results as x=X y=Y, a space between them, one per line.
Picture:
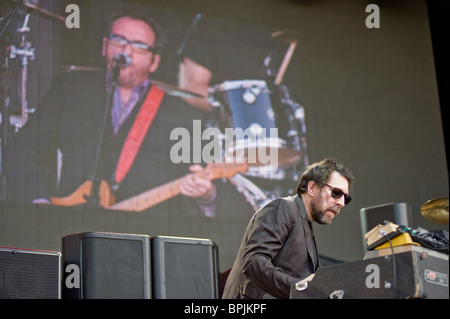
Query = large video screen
x=145 y=106
x=183 y=118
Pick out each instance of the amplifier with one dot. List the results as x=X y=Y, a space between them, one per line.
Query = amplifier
x=411 y=272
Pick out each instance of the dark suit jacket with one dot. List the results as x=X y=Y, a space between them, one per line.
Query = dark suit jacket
x=278 y=249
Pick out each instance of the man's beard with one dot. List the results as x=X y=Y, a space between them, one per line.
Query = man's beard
x=318 y=214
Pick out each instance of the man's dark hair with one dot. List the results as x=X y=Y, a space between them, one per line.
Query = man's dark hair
x=320 y=172
x=160 y=39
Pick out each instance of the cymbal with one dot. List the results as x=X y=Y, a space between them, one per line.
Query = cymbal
x=73 y=68
x=175 y=90
x=436 y=210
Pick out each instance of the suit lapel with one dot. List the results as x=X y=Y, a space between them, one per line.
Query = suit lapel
x=309 y=234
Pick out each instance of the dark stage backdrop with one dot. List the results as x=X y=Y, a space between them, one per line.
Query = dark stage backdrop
x=367 y=96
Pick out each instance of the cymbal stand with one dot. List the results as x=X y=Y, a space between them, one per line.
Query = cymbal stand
x=4 y=125
x=25 y=53
x=6 y=79
x=295 y=113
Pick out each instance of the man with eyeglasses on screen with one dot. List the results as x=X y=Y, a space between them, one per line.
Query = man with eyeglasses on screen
x=130 y=116
x=278 y=248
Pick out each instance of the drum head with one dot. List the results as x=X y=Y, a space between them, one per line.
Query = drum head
x=246 y=109
x=264 y=152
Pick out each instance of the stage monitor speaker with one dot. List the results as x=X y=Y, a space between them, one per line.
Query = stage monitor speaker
x=398 y=213
x=29 y=274
x=110 y=266
x=184 y=268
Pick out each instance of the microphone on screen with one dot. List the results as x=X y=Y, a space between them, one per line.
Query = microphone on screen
x=121 y=60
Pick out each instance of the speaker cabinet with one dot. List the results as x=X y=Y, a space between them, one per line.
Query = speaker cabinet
x=397 y=213
x=101 y=265
x=184 y=268
x=29 y=274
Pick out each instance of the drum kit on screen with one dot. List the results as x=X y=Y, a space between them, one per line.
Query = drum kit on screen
x=271 y=122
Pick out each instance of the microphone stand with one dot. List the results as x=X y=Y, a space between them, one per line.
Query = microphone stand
x=93 y=199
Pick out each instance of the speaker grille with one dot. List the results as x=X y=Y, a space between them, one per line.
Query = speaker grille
x=29 y=274
x=184 y=268
x=113 y=268
x=111 y=265
x=189 y=270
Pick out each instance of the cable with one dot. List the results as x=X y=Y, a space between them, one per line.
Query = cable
x=385 y=234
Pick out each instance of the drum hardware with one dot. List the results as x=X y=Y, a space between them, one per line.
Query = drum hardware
x=246 y=105
x=25 y=53
x=294 y=114
x=291 y=38
x=268 y=68
x=175 y=90
x=168 y=88
x=6 y=82
x=77 y=68
x=249 y=105
x=291 y=116
x=36 y=7
x=436 y=210
x=250 y=149
x=252 y=193
x=192 y=27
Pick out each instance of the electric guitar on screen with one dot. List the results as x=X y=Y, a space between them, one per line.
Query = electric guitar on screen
x=148 y=198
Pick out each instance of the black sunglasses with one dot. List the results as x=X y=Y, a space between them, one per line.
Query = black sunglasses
x=336 y=193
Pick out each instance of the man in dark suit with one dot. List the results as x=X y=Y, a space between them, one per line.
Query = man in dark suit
x=278 y=248
x=58 y=148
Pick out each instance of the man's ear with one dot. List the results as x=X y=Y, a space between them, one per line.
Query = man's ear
x=311 y=189
x=155 y=64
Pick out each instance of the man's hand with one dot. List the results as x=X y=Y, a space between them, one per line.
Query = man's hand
x=197 y=185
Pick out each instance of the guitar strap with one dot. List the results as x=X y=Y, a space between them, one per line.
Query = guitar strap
x=138 y=131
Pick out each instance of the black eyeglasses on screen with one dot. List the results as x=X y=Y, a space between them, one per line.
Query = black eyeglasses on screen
x=138 y=46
